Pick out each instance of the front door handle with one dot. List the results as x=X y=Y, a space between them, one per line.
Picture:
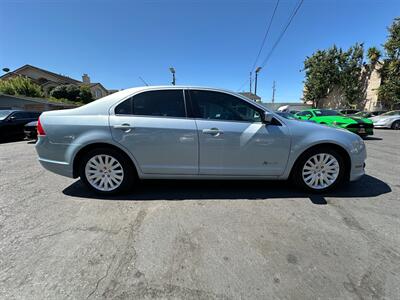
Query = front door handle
x=213 y=131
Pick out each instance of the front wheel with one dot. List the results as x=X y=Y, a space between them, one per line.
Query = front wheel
x=396 y=125
x=319 y=170
x=106 y=171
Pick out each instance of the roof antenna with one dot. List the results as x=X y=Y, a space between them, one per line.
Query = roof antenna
x=143 y=81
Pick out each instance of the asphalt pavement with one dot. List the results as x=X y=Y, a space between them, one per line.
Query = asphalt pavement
x=199 y=239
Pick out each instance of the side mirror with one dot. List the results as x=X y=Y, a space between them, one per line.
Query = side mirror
x=12 y=118
x=267 y=117
x=309 y=116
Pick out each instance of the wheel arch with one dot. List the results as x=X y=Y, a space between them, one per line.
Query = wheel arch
x=81 y=152
x=342 y=151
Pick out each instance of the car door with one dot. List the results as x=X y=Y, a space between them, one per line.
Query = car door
x=154 y=127
x=15 y=124
x=232 y=138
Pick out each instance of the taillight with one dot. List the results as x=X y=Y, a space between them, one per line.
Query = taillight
x=40 y=130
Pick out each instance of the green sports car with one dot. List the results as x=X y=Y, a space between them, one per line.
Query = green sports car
x=360 y=126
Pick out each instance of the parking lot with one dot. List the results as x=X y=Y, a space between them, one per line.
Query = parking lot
x=199 y=239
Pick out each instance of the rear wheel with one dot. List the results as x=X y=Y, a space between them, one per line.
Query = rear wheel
x=106 y=171
x=396 y=125
x=319 y=170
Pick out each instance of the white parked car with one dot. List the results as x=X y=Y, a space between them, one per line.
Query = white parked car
x=192 y=133
x=391 y=119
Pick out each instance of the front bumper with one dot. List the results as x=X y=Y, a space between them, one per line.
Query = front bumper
x=357 y=165
x=361 y=130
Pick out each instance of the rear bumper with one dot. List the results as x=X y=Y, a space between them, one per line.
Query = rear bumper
x=58 y=167
x=53 y=157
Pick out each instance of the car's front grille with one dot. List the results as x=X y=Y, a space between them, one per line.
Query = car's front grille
x=360 y=125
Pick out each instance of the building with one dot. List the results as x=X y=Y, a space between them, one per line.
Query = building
x=48 y=80
x=29 y=103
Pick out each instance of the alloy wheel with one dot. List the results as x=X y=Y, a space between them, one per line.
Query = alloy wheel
x=320 y=171
x=104 y=172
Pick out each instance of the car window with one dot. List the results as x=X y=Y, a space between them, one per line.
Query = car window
x=34 y=114
x=304 y=113
x=167 y=103
x=286 y=115
x=220 y=106
x=4 y=114
x=21 y=115
x=392 y=113
x=326 y=112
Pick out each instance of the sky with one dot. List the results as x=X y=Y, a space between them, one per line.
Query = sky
x=209 y=42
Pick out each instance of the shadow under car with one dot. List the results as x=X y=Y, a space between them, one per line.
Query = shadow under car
x=176 y=190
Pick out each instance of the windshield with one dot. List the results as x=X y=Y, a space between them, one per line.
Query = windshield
x=361 y=114
x=391 y=113
x=4 y=114
x=326 y=112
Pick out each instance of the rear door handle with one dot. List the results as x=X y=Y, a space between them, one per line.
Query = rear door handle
x=212 y=131
x=122 y=126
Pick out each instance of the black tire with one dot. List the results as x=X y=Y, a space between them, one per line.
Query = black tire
x=129 y=172
x=396 y=125
x=297 y=176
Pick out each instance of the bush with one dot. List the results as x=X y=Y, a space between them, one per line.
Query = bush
x=20 y=85
x=68 y=91
x=85 y=95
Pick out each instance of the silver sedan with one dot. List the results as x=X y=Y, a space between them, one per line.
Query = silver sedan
x=390 y=119
x=192 y=133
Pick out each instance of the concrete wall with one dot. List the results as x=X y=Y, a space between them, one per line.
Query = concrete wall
x=15 y=102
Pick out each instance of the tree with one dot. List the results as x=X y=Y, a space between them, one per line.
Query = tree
x=389 y=91
x=321 y=74
x=85 y=95
x=20 y=85
x=68 y=91
x=373 y=55
x=350 y=65
x=331 y=68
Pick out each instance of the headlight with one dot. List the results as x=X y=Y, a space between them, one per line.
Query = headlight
x=357 y=146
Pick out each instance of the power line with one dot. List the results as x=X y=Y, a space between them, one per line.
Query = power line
x=296 y=9
x=282 y=33
x=265 y=35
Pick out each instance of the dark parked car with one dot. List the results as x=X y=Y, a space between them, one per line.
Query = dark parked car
x=12 y=123
x=30 y=130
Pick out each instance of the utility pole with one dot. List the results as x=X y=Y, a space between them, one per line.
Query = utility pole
x=255 y=84
x=273 y=92
x=172 y=70
x=250 y=83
